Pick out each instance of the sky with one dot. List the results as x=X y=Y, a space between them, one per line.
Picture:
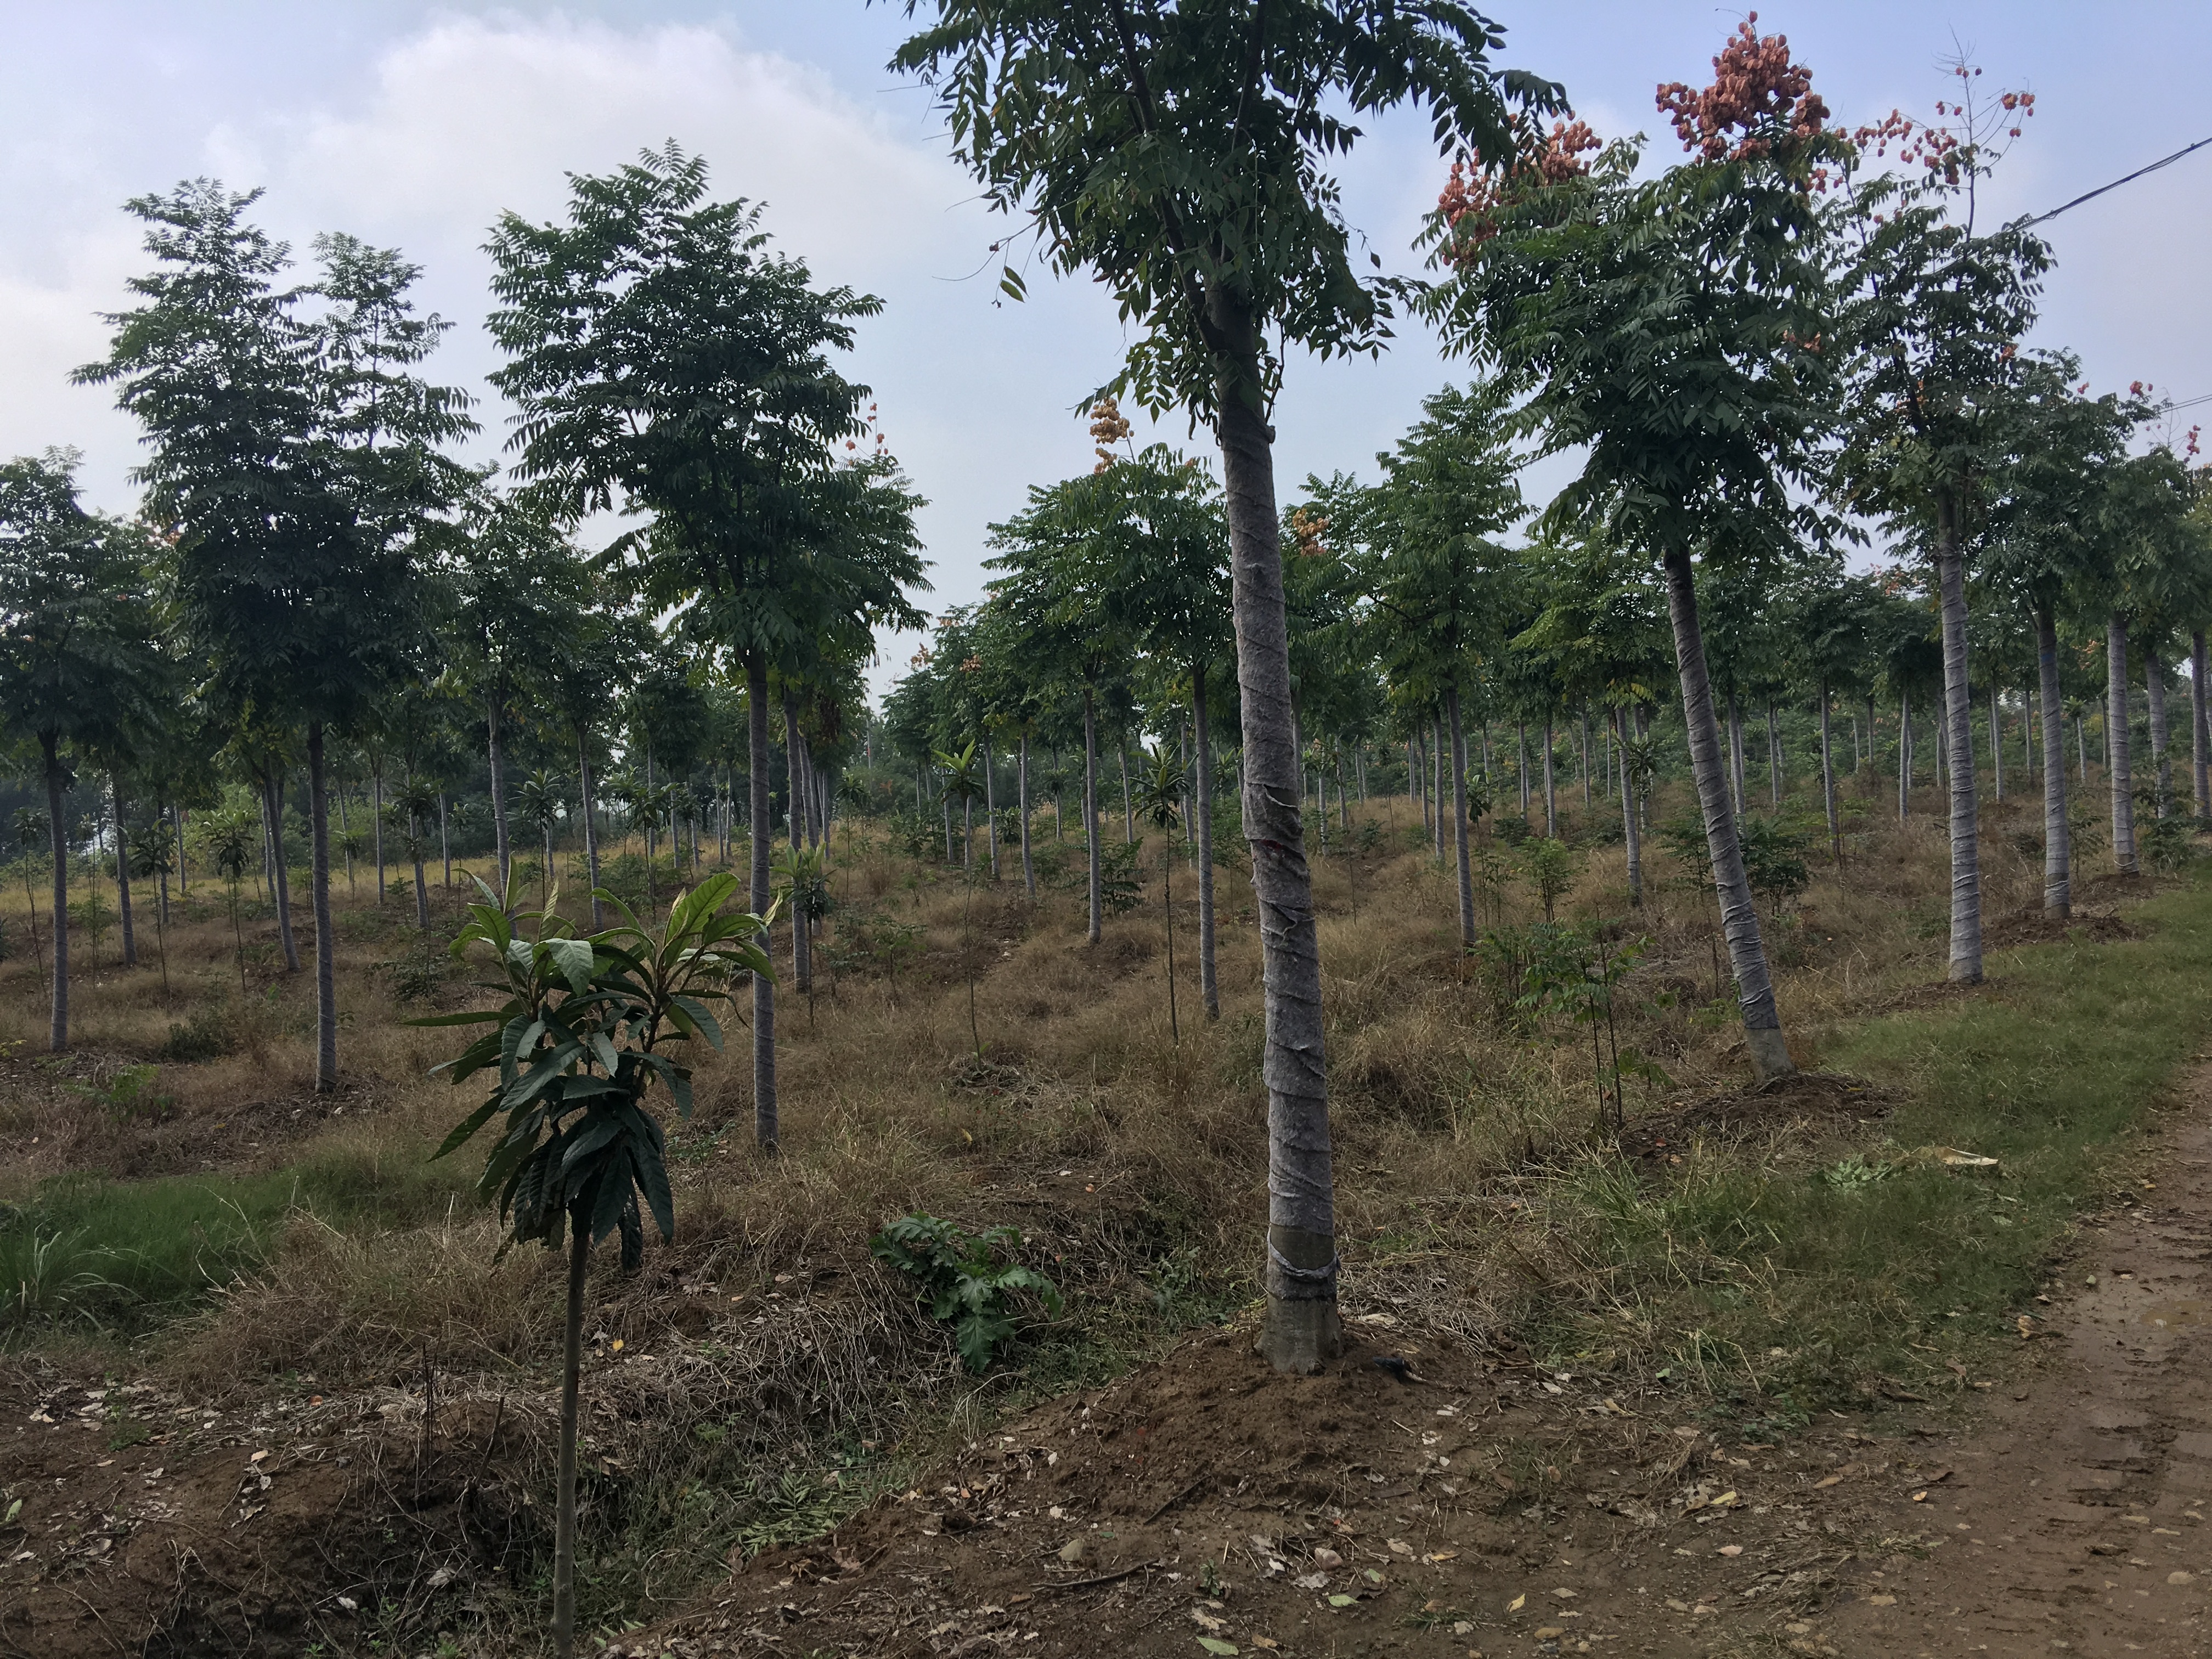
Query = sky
x=415 y=126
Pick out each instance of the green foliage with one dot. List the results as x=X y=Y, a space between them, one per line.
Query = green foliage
x=1774 y=857
x=963 y=1281
x=1550 y=866
x=802 y=881
x=208 y=1034
x=2169 y=844
x=1119 y=890
x=576 y=1048
x=130 y=1094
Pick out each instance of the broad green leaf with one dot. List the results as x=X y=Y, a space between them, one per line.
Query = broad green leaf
x=573 y=958
x=480 y=1017
x=1215 y=1644
x=466 y=1128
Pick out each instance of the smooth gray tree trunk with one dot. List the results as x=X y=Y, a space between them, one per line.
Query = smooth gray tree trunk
x=1209 y=983
x=318 y=884
x=123 y=877
x=1302 y=1331
x=1959 y=721
x=1583 y=759
x=283 y=880
x=1437 y=791
x=990 y=808
x=1129 y=807
x=58 y=848
x=1904 y=753
x=1022 y=788
x=1997 y=741
x=496 y=752
x=1773 y=756
x=376 y=823
x=2057 y=837
x=802 y=943
x=2160 y=761
x=446 y=841
x=1091 y=812
x=1735 y=753
x=1828 y=782
x=591 y=823
x=1754 y=983
x=765 y=1125
x=1550 y=783
x=1459 y=821
x=2120 y=769
x=1629 y=834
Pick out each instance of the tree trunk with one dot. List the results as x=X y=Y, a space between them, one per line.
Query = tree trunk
x=1628 y=832
x=376 y=823
x=1302 y=1331
x=496 y=752
x=1762 y=1022
x=764 y=1101
x=1521 y=755
x=1459 y=820
x=2200 y=724
x=1129 y=812
x=2057 y=838
x=284 y=883
x=1997 y=741
x=2116 y=746
x=1022 y=787
x=1551 y=784
x=1773 y=756
x=1958 y=739
x=319 y=885
x=572 y=1367
x=1209 y=987
x=1091 y=809
x=590 y=827
x=1438 y=770
x=2161 y=765
x=58 y=838
x=422 y=887
x=1735 y=753
x=1828 y=783
x=990 y=810
x=802 y=944
x=1583 y=760
x=1904 y=753
x=123 y=877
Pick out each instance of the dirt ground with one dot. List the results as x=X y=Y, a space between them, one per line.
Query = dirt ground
x=1205 y=1505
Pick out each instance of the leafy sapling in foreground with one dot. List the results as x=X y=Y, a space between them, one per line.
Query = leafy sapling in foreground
x=579 y=1043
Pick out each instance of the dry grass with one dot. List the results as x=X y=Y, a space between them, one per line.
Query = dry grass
x=1133 y=1164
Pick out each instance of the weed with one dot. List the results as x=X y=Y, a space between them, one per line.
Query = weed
x=208 y=1034
x=963 y=1281
x=130 y=1094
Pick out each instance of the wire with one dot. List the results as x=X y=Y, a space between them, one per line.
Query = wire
x=2022 y=224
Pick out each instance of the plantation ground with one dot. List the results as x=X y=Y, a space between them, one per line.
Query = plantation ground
x=1768 y=1273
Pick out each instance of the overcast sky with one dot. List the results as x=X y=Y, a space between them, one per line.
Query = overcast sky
x=414 y=126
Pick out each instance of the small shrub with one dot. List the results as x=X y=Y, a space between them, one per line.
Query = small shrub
x=2168 y=845
x=1513 y=828
x=965 y=1283
x=208 y=1034
x=1551 y=867
x=130 y=1094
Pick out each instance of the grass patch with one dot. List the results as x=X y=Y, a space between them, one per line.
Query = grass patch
x=1777 y=1289
x=86 y=1247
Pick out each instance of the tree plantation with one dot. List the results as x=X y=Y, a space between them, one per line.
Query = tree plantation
x=1240 y=1100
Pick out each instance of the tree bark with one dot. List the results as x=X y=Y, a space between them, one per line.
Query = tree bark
x=376 y=823
x=1773 y=756
x=318 y=885
x=1022 y=788
x=2057 y=837
x=58 y=841
x=1583 y=760
x=1202 y=763
x=1762 y=1022
x=1959 y=734
x=123 y=876
x=445 y=839
x=1996 y=740
x=2161 y=763
x=2121 y=772
x=1091 y=811
x=1828 y=783
x=1551 y=784
x=764 y=1101
x=990 y=810
x=1630 y=838
x=1904 y=753
x=1735 y=753
x=802 y=943
x=280 y=878
x=1437 y=771
x=1128 y=810
x=1459 y=820
x=496 y=752
x=591 y=826
x=1521 y=757
x=1302 y=1331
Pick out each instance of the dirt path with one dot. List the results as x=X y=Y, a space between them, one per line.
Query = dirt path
x=2077 y=1524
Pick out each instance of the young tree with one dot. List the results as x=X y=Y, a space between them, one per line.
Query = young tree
x=78 y=657
x=1933 y=333
x=294 y=458
x=574 y=1052
x=1670 y=327
x=664 y=362
x=1179 y=154
x=1159 y=803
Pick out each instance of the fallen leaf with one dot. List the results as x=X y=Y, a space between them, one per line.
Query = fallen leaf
x=1266 y=1642
x=1312 y=1581
x=1400 y=1546
x=1517 y=1602
x=1731 y=1549
x=1342 y=1601
x=1215 y=1644
x=1550 y=1632
x=1881 y=1600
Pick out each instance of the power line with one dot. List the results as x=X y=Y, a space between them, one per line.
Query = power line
x=2022 y=224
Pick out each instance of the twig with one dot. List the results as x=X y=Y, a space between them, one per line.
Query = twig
x=1102 y=1578
x=1171 y=1502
